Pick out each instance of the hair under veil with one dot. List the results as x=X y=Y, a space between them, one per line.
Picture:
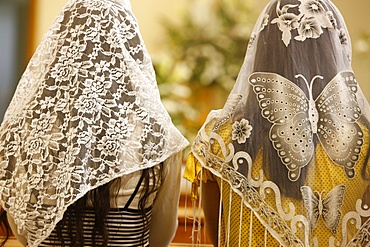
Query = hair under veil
x=292 y=140
x=325 y=57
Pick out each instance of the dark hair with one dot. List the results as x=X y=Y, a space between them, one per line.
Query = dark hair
x=317 y=57
x=102 y=202
x=5 y=228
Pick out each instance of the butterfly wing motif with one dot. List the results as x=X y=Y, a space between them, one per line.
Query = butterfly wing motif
x=311 y=203
x=285 y=105
x=338 y=130
x=331 y=205
x=328 y=208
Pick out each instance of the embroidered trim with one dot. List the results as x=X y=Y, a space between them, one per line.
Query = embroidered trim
x=253 y=195
x=252 y=198
x=362 y=237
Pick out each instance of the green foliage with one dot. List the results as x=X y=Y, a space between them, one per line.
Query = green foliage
x=204 y=51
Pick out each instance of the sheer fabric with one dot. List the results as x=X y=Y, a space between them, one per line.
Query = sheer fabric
x=86 y=110
x=292 y=141
x=126 y=226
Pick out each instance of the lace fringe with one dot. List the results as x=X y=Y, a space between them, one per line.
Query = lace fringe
x=250 y=229
x=228 y=220
x=240 y=223
x=196 y=217
x=265 y=237
x=199 y=234
x=220 y=214
x=186 y=204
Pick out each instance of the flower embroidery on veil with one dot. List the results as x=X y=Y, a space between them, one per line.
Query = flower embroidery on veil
x=241 y=130
x=309 y=22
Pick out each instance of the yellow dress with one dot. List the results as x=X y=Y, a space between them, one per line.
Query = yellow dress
x=239 y=225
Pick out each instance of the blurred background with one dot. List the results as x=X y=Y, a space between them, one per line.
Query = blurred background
x=197 y=48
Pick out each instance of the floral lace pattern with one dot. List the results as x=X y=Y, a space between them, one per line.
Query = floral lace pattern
x=309 y=22
x=87 y=110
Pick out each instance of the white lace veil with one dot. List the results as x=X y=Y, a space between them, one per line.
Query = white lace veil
x=86 y=111
x=296 y=106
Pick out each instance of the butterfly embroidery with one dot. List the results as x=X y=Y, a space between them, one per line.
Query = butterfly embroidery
x=328 y=207
x=332 y=117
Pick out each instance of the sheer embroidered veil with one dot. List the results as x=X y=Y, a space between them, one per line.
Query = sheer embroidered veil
x=296 y=93
x=86 y=111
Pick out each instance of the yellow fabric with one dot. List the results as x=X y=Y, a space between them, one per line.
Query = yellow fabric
x=258 y=230
x=325 y=174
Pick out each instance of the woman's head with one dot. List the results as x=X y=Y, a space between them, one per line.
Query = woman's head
x=304 y=44
x=306 y=37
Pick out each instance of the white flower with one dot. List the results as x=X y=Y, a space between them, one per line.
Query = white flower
x=35 y=145
x=12 y=144
x=286 y=22
x=43 y=124
x=126 y=108
x=308 y=28
x=241 y=131
x=313 y=8
x=123 y=127
x=151 y=150
x=109 y=146
x=62 y=72
x=18 y=202
x=97 y=87
x=90 y=107
x=311 y=19
x=310 y=7
x=47 y=103
x=73 y=52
